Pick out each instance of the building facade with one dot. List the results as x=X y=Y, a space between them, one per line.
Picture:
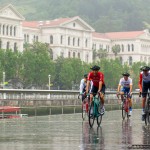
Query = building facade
x=71 y=38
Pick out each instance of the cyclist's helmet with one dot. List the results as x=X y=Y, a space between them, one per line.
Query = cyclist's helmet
x=145 y=68
x=126 y=74
x=96 y=68
x=85 y=75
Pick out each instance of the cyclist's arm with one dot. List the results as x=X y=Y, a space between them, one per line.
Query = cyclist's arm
x=140 y=82
x=100 y=86
x=81 y=86
x=87 y=86
x=118 y=89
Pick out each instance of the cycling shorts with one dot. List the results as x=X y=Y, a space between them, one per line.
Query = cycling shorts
x=145 y=87
x=94 y=89
x=125 y=90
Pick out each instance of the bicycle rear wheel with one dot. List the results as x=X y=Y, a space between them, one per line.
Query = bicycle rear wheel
x=84 y=113
x=147 y=114
x=99 y=117
x=91 y=115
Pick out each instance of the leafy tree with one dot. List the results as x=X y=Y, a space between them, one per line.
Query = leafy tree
x=116 y=49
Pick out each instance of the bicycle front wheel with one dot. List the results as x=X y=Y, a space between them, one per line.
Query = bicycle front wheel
x=91 y=115
x=99 y=116
x=147 y=114
x=124 y=113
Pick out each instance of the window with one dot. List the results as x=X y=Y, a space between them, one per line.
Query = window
x=15 y=47
x=7 y=30
x=73 y=41
x=11 y=30
x=86 y=42
x=69 y=55
x=130 y=60
x=51 y=39
x=68 y=40
x=78 y=42
x=74 y=55
x=14 y=31
x=74 y=24
x=121 y=61
x=7 y=46
x=78 y=55
x=132 y=47
x=128 y=48
x=61 y=39
x=3 y=29
x=37 y=38
x=25 y=38
x=122 y=47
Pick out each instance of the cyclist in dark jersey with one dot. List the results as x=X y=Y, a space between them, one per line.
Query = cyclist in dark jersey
x=98 y=85
x=144 y=85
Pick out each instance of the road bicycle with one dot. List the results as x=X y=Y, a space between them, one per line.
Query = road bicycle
x=125 y=106
x=147 y=109
x=85 y=107
x=95 y=111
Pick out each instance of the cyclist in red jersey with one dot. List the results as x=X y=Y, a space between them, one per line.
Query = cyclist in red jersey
x=144 y=85
x=98 y=85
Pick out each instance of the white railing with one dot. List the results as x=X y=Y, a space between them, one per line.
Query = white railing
x=53 y=99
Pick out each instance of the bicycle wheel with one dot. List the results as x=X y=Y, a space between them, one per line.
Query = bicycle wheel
x=123 y=111
x=91 y=115
x=99 y=116
x=147 y=114
x=84 y=113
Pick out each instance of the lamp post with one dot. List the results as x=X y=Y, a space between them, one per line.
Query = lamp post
x=3 y=80
x=49 y=77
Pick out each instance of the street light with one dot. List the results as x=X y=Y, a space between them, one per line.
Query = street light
x=49 y=77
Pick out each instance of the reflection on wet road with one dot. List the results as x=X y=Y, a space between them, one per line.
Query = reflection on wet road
x=68 y=132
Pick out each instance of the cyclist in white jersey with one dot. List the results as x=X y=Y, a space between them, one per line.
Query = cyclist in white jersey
x=125 y=87
x=144 y=85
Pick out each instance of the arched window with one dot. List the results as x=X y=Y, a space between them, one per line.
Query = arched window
x=74 y=55
x=86 y=43
x=78 y=42
x=27 y=38
x=73 y=41
x=51 y=39
x=14 y=31
x=61 y=39
x=128 y=48
x=69 y=54
x=7 y=46
x=132 y=47
x=122 y=47
x=7 y=30
x=121 y=61
x=11 y=31
x=3 y=29
x=130 y=60
x=15 y=46
x=78 y=55
x=68 y=40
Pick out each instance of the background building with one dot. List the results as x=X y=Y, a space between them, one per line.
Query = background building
x=72 y=38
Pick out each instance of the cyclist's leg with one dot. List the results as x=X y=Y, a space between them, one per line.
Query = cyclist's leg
x=144 y=95
x=102 y=94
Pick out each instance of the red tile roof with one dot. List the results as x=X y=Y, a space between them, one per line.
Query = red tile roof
x=48 y=23
x=99 y=35
x=124 y=35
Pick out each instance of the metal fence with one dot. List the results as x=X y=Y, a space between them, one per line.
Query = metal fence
x=53 y=100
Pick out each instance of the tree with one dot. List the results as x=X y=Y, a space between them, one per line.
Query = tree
x=116 y=50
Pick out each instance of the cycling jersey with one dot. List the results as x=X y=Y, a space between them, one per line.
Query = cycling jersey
x=82 y=86
x=96 y=78
x=125 y=83
x=143 y=78
x=144 y=83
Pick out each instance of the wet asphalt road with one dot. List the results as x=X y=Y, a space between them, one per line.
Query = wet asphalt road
x=69 y=132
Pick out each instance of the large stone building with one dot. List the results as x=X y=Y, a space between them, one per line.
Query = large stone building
x=71 y=37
